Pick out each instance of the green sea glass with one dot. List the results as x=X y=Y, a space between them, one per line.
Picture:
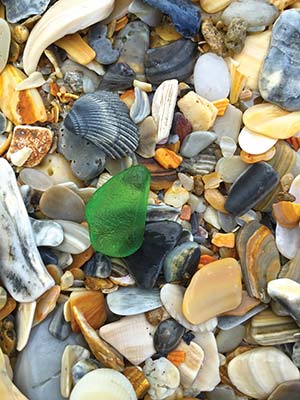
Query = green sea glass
x=116 y=213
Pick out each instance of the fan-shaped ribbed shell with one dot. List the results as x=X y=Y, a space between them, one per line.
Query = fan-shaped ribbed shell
x=102 y=118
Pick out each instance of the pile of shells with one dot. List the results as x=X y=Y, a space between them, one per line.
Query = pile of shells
x=149 y=199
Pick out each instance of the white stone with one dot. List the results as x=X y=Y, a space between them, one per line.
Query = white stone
x=211 y=77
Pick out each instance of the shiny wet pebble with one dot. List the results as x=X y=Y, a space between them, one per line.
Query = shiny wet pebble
x=99 y=266
x=168 y=336
x=194 y=143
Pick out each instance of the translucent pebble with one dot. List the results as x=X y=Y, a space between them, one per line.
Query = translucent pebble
x=38 y=180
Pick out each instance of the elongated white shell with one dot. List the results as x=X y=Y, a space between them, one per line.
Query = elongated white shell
x=140 y=108
x=25 y=317
x=63 y=18
x=258 y=372
x=105 y=384
x=21 y=268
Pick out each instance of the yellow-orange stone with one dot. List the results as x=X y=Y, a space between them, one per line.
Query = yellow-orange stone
x=213 y=290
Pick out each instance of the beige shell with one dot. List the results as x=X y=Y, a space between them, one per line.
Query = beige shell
x=132 y=336
x=163 y=106
x=213 y=6
x=238 y=81
x=71 y=355
x=8 y=391
x=103 y=384
x=252 y=57
x=189 y=369
x=25 y=315
x=272 y=121
x=258 y=372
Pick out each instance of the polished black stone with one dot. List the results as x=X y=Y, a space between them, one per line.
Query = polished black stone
x=118 y=77
x=48 y=256
x=99 y=266
x=168 y=336
x=159 y=238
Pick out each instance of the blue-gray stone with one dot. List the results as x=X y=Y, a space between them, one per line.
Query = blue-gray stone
x=16 y=10
x=280 y=76
x=37 y=371
x=105 y=53
x=184 y=14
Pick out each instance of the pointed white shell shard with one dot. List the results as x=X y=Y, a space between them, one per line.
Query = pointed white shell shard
x=163 y=106
x=140 y=108
x=258 y=372
x=208 y=377
x=105 y=384
x=172 y=297
x=25 y=317
x=63 y=18
x=76 y=237
x=132 y=336
x=190 y=368
x=21 y=268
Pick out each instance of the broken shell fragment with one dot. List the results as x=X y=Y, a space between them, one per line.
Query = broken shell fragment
x=138 y=380
x=274 y=366
x=254 y=143
x=7 y=389
x=77 y=49
x=103 y=384
x=214 y=289
x=287 y=390
x=20 y=107
x=287 y=214
x=46 y=304
x=4 y=43
x=140 y=108
x=29 y=279
x=25 y=315
x=65 y=18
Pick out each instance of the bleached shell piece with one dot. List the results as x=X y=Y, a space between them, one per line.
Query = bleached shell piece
x=8 y=391
x=213 y=6
x=21 y=268
x=189 y=369
x=208 y=376
x=254 y=143
x=71 y=355
x=163 y=376
x=258 y=372
x=102 y=118
x=47 y=233
x=132 y=336
x=163 y=106
x=3 y=297
x=228 y=146
x=25 y=315
x=103 y=384
x=140 y=108
x=76 y=237
x=4 y=43
x=288 y=240
x=272 y=121
x=35 y=80
x=172 y=297
x=65 y=17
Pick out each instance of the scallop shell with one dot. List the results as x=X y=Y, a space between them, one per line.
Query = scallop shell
x=103 y=384
x=259 y=258
x=132 y=336
x=257 y=372
x=102 y=118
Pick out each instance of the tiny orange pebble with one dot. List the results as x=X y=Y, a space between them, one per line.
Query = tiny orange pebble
x=224 y=240
x=221 y=105
x=252 y=158
x=206 y=259
x=54 y=88
x=80 y=259
x=294 y=142
x=167 y=158
x=8 y=308
x=176 y=357
x=174 y=146
x=186 y=213
x=128 y=98
x=121 y=23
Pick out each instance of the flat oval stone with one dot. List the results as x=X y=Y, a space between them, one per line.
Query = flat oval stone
x=251 y=187
x=211 y=77
x=215 y=289
x=279 y=82
x=257 y=13
x=159 y=238
x=222 y=392
x=61 y=202
x=132 y=300
x=36 y=179
x=185 y=15
x=168 y=336
x=286 y=391
x=181 y=262
x=195 y=142
x=99 y=266
x=228 y=340
x=116 y=213
x=4 y=43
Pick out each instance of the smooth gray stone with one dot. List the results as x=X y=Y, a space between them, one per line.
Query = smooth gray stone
x=105 y=53
x=151 y=16
x=131 y=301
x=195 y=142
x=256 y=13
x=280 y=76
x=228 y=340
x=3 y=122
x=47 y=233
x=16 y=10
x=162 y=213
x=37 y=371
x=221 y=392
x=226 y=323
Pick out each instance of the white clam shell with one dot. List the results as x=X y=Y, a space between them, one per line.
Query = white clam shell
x=132 y=336
x=258 y=372
x=163 y=106
x=190 y=368
x=172 y=298
x=288 y=240
x=103 y=384
x=254 y=143
x=25 y=317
